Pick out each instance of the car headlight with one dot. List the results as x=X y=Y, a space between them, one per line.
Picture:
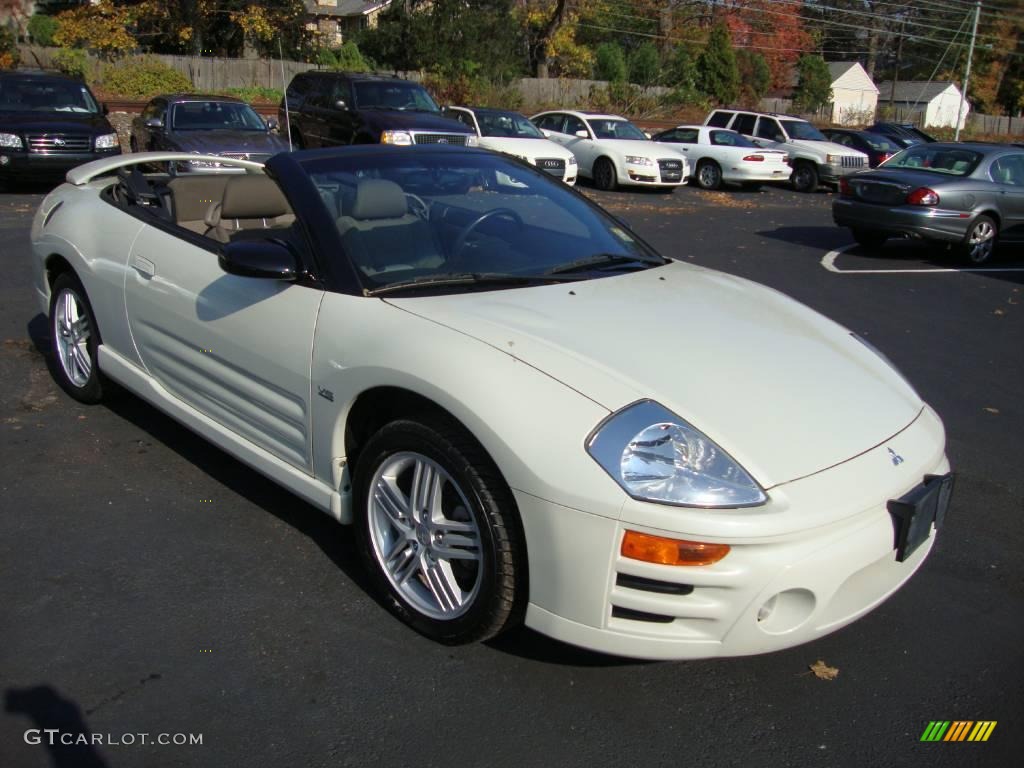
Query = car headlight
x=401 y=138
x=635 y=160
x=106 y=141
x=203 y=163
x=10 y=140
x=833 y=159
x=572 y=160
x=656 y=456
x=472 y=141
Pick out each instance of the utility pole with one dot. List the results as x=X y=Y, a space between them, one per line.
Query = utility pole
x=896 y=73
x=967 y=71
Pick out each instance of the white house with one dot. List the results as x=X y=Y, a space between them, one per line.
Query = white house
x=932 y=104
x=854 y=94
x=332 y=20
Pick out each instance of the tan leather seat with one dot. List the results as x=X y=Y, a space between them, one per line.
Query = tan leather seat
x=193 y=195
x=252 y=201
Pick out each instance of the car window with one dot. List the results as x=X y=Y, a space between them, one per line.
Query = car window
x=462 y=116
x=390 y=94
x=215 y=115
x=617 y=129
x=951 y=161
x=744 y=123
x=840 y=138
x=550 y=122
x=801 y=129
x=880 y=143
x=507 y=125
x=299 y=86
x=43 y=95
x=407 y=216
x=767 y=128
x=720 y=119
x=573 y=124
x=682 y=135
x=1008 y=170
x=730 y=139
x=150 y=110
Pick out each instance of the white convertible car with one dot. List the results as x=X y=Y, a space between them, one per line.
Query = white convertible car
x=513 y=134
x=612 y=151
x=525 y=412
x=719 y=155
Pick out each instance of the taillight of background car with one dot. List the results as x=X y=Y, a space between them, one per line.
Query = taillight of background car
x=754 y=158
x=845 y=189
x=923 y=196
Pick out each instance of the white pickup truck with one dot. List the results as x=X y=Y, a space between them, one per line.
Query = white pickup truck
x=814 y=158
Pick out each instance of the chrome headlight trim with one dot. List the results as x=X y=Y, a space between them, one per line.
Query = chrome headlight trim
x=613 y=445
x=639 y=160
x=106 y=141
x=10 y=141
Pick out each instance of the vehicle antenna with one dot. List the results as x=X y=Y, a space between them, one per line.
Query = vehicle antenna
x=284 y=89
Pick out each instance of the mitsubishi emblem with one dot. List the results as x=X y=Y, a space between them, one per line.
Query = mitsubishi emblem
x=895 y=457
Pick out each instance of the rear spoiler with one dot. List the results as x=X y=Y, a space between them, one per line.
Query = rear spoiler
x=85 y=173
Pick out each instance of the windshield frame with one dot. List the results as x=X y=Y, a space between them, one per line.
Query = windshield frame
x=175 y=128
x=94 y=108
x=357 y=103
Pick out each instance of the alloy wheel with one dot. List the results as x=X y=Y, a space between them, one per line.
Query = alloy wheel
x=981 y=241
x=72 y=331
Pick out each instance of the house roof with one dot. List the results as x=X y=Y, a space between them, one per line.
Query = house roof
x=913 y=91
x=344 y=7
x=839 y=68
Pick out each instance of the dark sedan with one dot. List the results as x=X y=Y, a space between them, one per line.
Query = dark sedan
x=876 y=146
x=49 y=123
x=904 y=134
x=206 y=125
x=968 y=195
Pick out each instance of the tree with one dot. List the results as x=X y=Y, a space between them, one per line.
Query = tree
x=644 y=65
x=755 y=76
x=610 y=63
x=717 y=73
x=41 y=29
x=102 y=27
x=9 y=57
x=774 y=30
x=814 y=86
x=350 y=59
x=543 y=23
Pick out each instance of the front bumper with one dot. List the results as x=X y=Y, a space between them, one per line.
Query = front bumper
x=655 y=176
x=903 y=220
x=831 y=174
x=24 y=165
x=825 y=552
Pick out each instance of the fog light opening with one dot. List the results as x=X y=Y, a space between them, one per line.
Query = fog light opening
x=785 y=611
x=4 y=159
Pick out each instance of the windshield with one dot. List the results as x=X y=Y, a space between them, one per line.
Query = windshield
x=616 y=129
x=510 y=125
x=371 y=94
x=46 y=96
x=951 y=161
x=880 y=143
x=799 y=129
x=215 y=116
x=466 y=221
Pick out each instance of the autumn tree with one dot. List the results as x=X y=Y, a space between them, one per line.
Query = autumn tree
x=755 y=76
x=717 y=73
x=814 y=84
x=102 y=27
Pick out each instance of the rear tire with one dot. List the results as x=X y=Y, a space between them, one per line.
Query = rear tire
x=869 y=238
x=74 y=340
x=438 y=531
x=979 y=246
x=805 y=177
x=605 y=177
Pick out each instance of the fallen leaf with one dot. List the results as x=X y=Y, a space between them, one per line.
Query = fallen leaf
x=991 y=410
x=823 y=671
x=999 y=312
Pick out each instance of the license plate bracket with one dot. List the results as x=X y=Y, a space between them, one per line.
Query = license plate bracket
x=914 y=513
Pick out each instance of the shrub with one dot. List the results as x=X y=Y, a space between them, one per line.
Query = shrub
x=41 y=29
x=644 y=65
x=349 y=59
x=255 y=93
x=466 y=89
x=325 y=58
x=73 y=62
x=9 y=56
x=610 y=63
x=141 y=78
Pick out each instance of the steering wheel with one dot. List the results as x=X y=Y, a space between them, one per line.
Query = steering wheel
x=460 y=241
x=417 y=206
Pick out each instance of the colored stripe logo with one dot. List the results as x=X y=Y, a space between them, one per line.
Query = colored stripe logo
x=958 y=730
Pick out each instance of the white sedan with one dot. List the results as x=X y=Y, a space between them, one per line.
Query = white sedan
x=719 y=155
x=612 y=151
x=513 y=134
x=505 y=393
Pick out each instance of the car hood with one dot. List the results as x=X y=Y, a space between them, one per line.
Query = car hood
x=782 y=389
x=532 y=148
x=651 y=149
x=397 y=120
x=827 y=147
x=55 y=122
x=216 y=142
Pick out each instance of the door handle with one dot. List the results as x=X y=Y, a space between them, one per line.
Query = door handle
x=144 y=266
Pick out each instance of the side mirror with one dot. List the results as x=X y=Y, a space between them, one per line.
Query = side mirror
x=154 y=122
x=340 y=104
x=259 y=258
x=272 y=124
x=583 y=134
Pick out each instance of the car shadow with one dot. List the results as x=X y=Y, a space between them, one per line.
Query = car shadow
x=525 y=643
x=49 y=711
x=823 y=238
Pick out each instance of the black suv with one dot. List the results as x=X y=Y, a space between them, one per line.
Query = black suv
x=330 y=108
x=49 y=123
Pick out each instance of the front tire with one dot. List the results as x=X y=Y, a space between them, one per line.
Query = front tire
x=438 y=531
x=979 y=245
x=74 y=340
x=805 y=177
x=605 y=177
x=709 y=175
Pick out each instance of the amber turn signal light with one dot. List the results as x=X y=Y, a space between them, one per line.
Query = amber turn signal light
x=656 y=549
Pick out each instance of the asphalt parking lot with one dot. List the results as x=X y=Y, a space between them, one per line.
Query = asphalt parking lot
x=151 y=584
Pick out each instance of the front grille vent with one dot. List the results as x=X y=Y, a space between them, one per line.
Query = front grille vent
x=58 y=144
x=455 y=139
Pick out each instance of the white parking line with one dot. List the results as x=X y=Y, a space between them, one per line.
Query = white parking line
x=828 y=261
